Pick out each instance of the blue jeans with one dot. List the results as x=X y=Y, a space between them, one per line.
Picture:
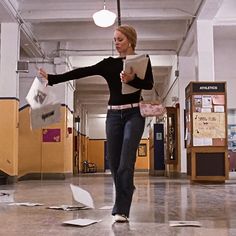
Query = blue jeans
x=124 y=129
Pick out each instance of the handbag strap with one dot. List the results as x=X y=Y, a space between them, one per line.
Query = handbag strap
x=156 y=92
x=158 y=95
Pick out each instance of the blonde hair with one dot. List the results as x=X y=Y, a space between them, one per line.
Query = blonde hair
x=130 y=33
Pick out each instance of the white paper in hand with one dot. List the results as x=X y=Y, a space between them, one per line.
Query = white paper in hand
x=82 y=196
x=126 y=89
x=138 y=63
x=39 y=95
x=45 y=110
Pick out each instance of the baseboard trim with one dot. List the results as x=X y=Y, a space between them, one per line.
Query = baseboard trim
x=45 y=176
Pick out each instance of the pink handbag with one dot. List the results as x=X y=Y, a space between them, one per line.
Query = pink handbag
x=151 y=108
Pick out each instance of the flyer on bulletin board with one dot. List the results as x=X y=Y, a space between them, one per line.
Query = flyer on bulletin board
x=209 y=125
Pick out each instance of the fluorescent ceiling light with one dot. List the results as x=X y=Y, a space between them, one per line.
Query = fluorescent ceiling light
x=104 y=18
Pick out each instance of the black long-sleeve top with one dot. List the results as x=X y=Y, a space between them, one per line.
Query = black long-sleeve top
x=109 y=69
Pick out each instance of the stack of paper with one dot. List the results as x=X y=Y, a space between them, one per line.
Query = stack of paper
x=136 y=64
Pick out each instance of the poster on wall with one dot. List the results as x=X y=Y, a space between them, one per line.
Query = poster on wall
x=51 y=135
x=142 y=150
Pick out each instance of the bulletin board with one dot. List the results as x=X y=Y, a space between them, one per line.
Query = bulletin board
x=205 y=115
x=206 y=131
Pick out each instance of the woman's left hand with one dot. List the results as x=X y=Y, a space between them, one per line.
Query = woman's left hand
x=126 y=77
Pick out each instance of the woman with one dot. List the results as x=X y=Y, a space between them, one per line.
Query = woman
x=124 y=124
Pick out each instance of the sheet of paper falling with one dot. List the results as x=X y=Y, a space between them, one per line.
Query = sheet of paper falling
x=82 y=196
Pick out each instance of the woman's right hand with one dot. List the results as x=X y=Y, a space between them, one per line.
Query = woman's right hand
x=127 y=77
x=43 y=73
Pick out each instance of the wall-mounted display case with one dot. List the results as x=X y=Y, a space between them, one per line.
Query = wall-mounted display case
x=206 y=131
x=232 y=139
x=171 y=136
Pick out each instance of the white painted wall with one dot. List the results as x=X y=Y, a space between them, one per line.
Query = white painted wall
x=96 y=127
x=9 y=78
x=187 y=74
x=225 y=67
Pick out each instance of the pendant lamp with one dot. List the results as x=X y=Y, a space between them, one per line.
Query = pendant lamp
x=104 y=18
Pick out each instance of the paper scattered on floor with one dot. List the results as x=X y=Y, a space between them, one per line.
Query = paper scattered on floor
x=29 y=204
x=185 y=223
x=81 y=222
x=82 y=196
x=68 y=207
x=106 y=208
x=6 y=196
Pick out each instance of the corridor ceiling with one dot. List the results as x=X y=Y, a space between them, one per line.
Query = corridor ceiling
x=57 y=29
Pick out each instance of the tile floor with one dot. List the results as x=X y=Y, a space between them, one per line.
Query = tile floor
x=157 y=200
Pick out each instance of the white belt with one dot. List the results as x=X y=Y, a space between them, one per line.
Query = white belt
x=121 y=107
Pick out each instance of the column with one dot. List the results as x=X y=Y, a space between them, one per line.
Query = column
x=187 y=74
x=9 y=99
x=204 y=51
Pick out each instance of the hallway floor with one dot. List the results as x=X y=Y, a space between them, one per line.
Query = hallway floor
x=156 y=201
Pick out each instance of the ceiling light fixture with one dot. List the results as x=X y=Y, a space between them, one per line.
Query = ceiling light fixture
x=104 y=18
